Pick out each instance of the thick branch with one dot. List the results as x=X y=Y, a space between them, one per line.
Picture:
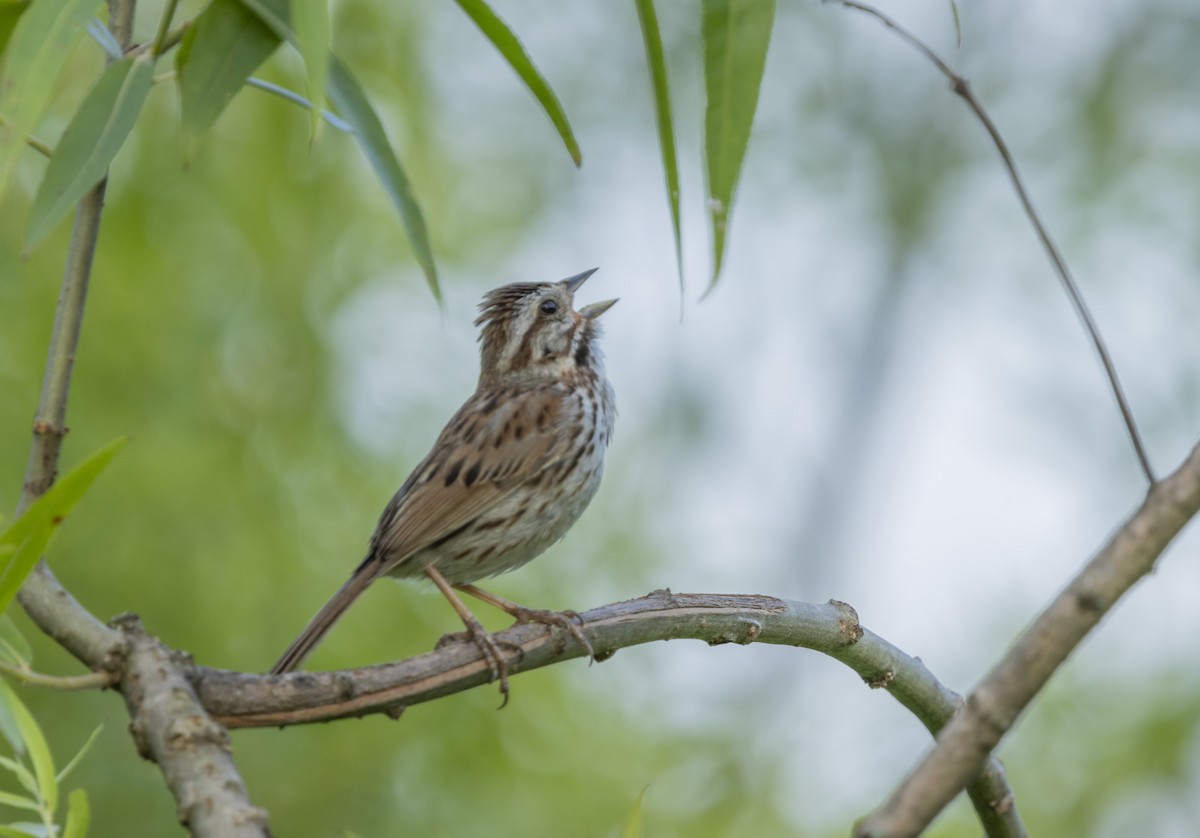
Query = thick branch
x=172 y=729
x=241 y=700
x=1003 y=694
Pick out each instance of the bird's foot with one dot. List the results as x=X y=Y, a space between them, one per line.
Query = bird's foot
x=569 y=621
x=491 y=648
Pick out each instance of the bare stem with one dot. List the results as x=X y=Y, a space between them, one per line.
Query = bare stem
x=50 y=606
x=41 y=147
x=960 y=86
x=90 y=681
x=243 y=700
x=164 y=28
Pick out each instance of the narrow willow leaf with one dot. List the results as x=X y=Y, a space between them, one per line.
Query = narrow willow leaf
x=736 y=35
x=75 y=760
x=31 y=533
x=79 y=814
x=92 y=139
x=37 y=53
x=632 y=828
x=105 y=39
x=310 y=18
x=347 y=96
x=10 y=13
x=226 y=43
x=657 y=61
x=17 y=802
x=505 y=40
x=296 y=99
x=12 y=735
x=23 y=830
x=957 y=24
x=352 y=103
x=35 y=744
x=14 y=647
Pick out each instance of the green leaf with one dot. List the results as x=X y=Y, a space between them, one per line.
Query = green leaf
x=226 y=43
x=18 y=802
x=92 y=139
x=23 y=830
x=657 y=61
x=79 y=813
x=505 y=40
x=296 y=99
x=957 y=24
x=41 y=43
x=35 y=743
x=12 y=734
x=632 y=828
x=347 y=96
x=10 y=13
x=351 y=102
x=75 y=760
x=14 y=648
x=311 y=21
x=736 y=35
x=31 y=533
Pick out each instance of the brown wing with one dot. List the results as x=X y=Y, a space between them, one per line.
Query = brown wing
x=493 y=444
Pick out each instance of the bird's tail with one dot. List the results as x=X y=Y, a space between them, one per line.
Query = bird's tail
x=325 y=618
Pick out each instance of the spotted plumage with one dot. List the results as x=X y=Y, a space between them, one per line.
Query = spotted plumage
x=514 y=468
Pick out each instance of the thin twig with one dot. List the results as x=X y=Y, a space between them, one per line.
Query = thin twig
x=242 y=700
x=91 y=681
x=960 y=86
x=33 y=142
x=993 y=707
x=164 y=28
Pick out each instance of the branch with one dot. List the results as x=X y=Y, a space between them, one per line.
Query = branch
x=172 y=729
x=960 y=86
x=91 y=681
x=1003 y=694
x=242 y=700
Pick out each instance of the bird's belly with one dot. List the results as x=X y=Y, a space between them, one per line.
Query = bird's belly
x=517 y=529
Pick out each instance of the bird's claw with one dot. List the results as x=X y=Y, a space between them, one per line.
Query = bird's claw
x=569 y=621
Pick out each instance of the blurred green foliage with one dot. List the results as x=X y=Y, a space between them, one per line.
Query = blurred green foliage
x=242 y=499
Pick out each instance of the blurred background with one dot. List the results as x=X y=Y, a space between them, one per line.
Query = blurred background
x=886 y=400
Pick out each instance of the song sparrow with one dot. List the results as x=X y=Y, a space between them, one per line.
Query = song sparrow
x=510 y=473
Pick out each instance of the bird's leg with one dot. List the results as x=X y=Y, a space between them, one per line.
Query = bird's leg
x=481 y=637
x=568 y=620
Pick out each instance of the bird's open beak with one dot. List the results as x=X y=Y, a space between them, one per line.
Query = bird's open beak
x=588 y=312
x=573 y=283
x=594 y=310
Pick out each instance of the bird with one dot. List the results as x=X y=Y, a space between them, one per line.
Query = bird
x=510 y=473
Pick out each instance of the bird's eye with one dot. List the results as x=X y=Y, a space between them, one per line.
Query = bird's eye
x=548 y=307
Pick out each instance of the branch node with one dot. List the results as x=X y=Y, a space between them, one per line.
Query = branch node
x=882 y=681
x=1003 y=805
x=43 y=428
x=849 y=627
x=663 y=594
x=395 y=711
x=745 y=632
